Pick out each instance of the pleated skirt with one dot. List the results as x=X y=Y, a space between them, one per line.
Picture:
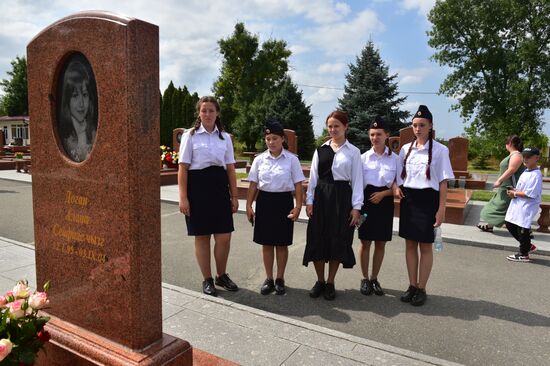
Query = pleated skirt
x=209 y=201
x=271 y=224
x=329 y=235
x=417 y=214
x=378 y=225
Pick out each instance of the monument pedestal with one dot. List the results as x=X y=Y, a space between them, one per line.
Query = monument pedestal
x=75 y=346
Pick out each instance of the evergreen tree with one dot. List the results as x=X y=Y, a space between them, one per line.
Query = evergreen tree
x=15 y=100
x=166 y=116
x=177 y=102
x=288 y=106
x=371 y=91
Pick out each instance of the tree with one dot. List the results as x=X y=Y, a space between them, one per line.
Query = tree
x=166 y=115
x=15 y=100
x=288 y=106
x=371 y=91
x=248 y=72
x=499 y=51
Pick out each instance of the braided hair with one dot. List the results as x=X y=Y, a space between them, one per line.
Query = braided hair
x=197 y=124
x=428 y=175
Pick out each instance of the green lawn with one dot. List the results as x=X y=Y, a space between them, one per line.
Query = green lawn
x=486 y=196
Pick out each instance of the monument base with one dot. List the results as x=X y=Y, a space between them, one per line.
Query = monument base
x=72 y=345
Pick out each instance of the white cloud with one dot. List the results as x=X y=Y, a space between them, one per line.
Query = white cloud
x=413 y=76
x=422 y=6
x=346 y=37
x=331 y=68
x=298 y=49
x=319 y=11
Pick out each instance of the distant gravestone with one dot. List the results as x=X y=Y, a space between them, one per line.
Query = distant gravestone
x=394 y=144
x=176 y=138
x=291 y=140
x=406 y=135
x=458 y=152
x=96 y=197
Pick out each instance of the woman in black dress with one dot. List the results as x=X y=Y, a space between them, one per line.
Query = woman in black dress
x=334 y=198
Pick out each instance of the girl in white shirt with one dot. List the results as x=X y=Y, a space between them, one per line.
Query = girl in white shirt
x=426 y=169
x=380 y=170
x=208 y=191
x=334 y=198
x=274 y=174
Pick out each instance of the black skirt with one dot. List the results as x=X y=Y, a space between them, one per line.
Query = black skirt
x=329 y=235
x=417 y=214
x=271 y=224
x=378 y=225
x=209 y=201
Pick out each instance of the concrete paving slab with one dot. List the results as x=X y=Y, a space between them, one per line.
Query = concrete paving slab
x=228 y=340
x=307 y=356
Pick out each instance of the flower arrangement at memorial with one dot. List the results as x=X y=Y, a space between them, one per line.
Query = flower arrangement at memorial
x=19 y=155
x=168 y=157
x=22 y=333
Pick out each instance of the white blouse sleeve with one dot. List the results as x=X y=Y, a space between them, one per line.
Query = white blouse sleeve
x=444 y=168
x=357 y=181
x=313 y=177
x=253 y=173
x=186 y=149
x=297 y=173
x=229 y=157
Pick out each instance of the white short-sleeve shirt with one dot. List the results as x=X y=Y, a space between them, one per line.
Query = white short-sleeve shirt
x=276 y=174
x=417 y=162
x=380 y=170
x=522 y=210
x=345 y=166
x=204 y=149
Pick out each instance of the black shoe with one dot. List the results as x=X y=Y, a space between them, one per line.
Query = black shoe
x=317 y=289
x=366 y=287
x=408 y=295
x=330 y=291
x=268 y=287
x=419 y=297
x=280 y=286
x=376 y=287
x=225 y=282
x=208 y=287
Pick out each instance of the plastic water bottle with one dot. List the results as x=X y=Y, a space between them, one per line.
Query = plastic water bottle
x=362 y=219
x=438 y=241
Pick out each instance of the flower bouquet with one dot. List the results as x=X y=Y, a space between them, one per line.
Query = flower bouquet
x=22 y=333
x=18 y=155
x=168 y=157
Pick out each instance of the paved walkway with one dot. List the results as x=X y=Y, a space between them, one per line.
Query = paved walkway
x=236 y=332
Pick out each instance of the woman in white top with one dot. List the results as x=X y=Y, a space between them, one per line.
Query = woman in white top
x=274 y=174
x=380 y=170
x=334 y=198
x=208 y=191
x=426 y=169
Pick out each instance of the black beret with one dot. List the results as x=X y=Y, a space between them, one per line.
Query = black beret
x=379 y=122
x=423 y=112
x=273 y=126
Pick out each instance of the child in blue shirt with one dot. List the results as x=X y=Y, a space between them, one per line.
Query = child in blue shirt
x=524 y=206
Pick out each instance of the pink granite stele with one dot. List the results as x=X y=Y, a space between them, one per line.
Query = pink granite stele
x=97 y=222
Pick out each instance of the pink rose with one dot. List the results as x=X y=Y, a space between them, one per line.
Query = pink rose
x=38 y=300
x=5 y=348
x=21 y=290
x=16 y=309
x=3 y=301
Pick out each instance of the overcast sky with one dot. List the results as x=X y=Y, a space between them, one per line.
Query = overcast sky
x=324 y=36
